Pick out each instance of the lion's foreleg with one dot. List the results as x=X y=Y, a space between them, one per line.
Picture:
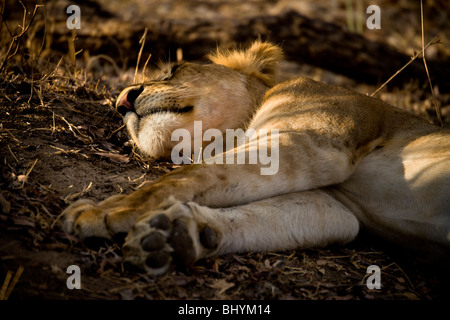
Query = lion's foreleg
x=181 y=233
x=296 y=220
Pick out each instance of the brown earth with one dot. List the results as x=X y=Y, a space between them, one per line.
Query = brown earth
x=61 y=140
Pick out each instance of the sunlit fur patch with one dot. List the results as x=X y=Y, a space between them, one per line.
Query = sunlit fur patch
x=260 y=60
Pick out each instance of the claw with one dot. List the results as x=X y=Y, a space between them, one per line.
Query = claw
x=70 y=214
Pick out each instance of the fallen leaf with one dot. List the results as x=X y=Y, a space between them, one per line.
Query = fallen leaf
x=322 y=262
x=222 y=285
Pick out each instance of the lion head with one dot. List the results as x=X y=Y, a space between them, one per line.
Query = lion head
x=223 y=95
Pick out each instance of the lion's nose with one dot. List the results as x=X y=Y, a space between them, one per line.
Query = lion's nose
x=126 y=103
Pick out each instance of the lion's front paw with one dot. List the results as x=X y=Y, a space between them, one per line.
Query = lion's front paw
x=87 y=219
x=168 y=236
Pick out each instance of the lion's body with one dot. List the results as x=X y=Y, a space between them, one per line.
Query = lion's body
x=345 y=160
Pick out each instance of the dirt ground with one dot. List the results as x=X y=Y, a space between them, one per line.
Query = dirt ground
x=61 y=140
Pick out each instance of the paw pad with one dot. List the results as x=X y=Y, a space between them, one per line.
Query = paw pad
x=182 y=244
x=155 y=242
x=209 y=238
x=160 y=221
x=158 y=259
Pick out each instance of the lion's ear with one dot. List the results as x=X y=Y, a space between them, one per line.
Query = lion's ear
x=260 y=60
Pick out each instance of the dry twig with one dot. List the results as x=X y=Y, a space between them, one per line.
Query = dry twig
x=141 y=42
x=78 y=194
x=8 y=287
x=436 y=107
x=15 y=42
x=435 y=40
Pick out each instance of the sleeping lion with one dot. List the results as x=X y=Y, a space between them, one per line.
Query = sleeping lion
x=342 y=161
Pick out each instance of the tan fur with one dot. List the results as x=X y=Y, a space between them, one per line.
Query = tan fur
x=345 y=160
x=259 y=61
